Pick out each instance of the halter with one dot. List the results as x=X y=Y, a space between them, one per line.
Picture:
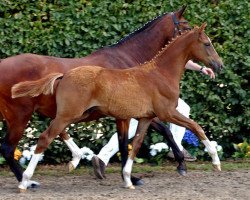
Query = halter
x=177 y=23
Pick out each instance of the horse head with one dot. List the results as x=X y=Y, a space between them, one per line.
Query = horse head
x=179 y=22
x=204 y=51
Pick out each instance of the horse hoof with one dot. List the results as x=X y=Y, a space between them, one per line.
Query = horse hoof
x=71 y=167
x=182 y=172
x=217 y=167
x=137 y=181
x=33 y=184
x=131 y=187
x=22 y=190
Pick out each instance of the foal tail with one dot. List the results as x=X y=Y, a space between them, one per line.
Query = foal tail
x=35 y=88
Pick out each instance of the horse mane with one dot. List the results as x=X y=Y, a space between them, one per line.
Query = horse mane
x=145 y=26
x=170 y=43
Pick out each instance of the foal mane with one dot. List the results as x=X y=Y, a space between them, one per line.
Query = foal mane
x=139 y=30
x=170 y=43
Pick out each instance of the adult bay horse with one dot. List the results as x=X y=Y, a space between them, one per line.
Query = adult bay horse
x=143 y=92
x=136 y=48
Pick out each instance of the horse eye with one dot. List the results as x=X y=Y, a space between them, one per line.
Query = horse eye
x=207 y=44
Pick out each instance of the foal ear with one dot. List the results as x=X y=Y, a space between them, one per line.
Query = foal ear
x=180 y=12
x=202 y=28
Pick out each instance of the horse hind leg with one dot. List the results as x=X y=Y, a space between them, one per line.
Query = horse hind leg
x=137 y=141
x=75 y=150
x=55 y=128
x=15 y=125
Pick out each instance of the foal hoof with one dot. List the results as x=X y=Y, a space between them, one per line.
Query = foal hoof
x=131 y=187
x=217 y=167
x=22 y=190
x=137 y=181
x=182 y=172
x=71 y=167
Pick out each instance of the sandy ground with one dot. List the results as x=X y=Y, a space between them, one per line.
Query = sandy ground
x=197 y=185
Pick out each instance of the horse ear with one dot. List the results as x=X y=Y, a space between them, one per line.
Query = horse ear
x=202 y=28
x=180 y=12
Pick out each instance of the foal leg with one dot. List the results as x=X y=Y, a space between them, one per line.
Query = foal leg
x=179 y=157
x=179 y=119
x=122 y=129
x=56 y=127
x=76 y=151
x=137 y=141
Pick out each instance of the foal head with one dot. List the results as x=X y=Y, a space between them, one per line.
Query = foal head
x=204 y=51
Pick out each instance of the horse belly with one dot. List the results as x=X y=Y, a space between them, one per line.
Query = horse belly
x=126 y=104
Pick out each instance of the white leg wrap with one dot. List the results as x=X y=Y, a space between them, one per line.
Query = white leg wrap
x=127 y=173
x=28 y=173
x=212 y=152
x=76 y=151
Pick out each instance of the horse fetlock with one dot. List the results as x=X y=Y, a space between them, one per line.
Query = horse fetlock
x=75 y=160
x=215 y=158
x=127 y=179
x=24 y=184
x=71 y=166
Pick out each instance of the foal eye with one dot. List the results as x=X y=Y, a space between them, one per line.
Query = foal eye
x=207 y=44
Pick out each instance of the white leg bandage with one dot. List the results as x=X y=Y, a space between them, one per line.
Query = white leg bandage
x=127 y=172
x=212 y=152
x=28 y=173
x=76 y=151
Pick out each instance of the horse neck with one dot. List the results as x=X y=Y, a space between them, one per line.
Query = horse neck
x=143 y=46
x=172 y=59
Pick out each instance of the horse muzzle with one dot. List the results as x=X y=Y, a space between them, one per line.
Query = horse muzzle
x=216 y=66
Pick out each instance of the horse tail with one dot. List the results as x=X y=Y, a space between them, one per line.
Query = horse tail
x=37 y=87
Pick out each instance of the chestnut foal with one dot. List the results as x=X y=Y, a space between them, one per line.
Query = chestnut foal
x=143 y=92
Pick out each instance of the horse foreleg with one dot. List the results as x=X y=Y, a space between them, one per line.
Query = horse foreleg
x=179 y=119
x=179 y=157
x=122 y=130
x=137 y=141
